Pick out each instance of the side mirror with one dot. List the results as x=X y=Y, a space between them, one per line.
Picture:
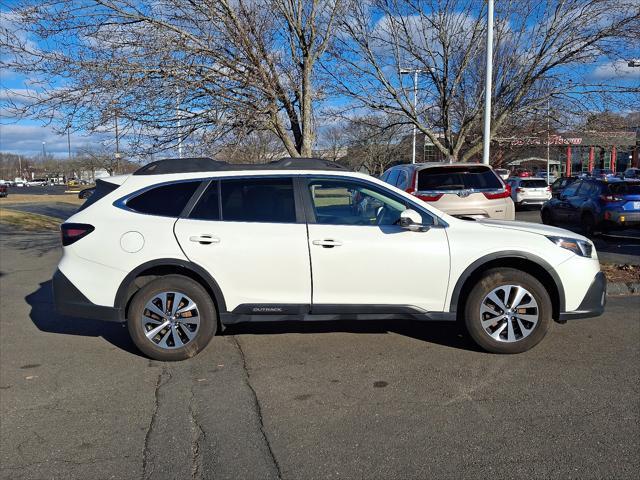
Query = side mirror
x=412 y=220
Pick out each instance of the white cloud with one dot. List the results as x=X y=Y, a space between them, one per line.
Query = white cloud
x=27 y=140
x=617 y=69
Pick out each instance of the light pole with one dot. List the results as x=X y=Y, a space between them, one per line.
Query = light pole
x=548 y=139
x=415 y=71
x=488 y=86
x=44 y=154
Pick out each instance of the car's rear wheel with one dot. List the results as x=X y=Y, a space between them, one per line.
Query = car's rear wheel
x=172 y=318
x=508 y=311
x=547 y=217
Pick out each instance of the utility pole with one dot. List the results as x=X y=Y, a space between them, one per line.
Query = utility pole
x=548 y=139
x=488 y=86
x=415 y=71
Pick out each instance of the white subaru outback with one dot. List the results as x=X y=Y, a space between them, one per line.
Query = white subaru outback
x=182 y=248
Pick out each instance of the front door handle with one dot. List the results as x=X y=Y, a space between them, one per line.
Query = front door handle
x=204 y=239
x=327 y=243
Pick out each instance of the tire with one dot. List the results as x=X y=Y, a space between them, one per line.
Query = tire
x=513 y=335
x=588 y=223
x=547 y=217
x=192 y=336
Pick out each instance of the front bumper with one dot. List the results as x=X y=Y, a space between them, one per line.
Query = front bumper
x=593 y=303
x=70 y=301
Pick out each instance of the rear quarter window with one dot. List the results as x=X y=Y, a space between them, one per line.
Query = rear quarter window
x=102 y=189
x=165 y=200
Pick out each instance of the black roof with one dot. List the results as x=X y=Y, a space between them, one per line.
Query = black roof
x=204 y=164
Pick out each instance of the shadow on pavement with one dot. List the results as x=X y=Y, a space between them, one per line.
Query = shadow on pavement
x=45 y=317
x=448 y=334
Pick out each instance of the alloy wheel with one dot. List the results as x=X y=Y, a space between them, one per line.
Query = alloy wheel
x=170 y=320
x=509 y=313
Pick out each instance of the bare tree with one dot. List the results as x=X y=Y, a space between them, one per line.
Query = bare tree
x=540 y=53
x=374 y=143
x=170 y=70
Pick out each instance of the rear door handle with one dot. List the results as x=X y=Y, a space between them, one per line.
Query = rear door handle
x=327 y=243
x=204 y=239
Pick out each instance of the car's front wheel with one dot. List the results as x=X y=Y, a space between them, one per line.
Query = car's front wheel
x=546 y=216
x=172 y=318
x=508 y=311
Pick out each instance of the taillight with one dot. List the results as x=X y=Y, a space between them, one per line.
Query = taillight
x=611 y=198
x=548 y=189
x=72 y=232
x=430 y=198
x=499 y=194
x=519 y=190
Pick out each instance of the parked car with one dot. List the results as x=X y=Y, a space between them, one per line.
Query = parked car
x=523 y=172
x=529 y=191
x=7 y=183
x=86 y=193
x=503 y=173
x=4 y=191
x=459 y=189
x=595 y=205
x=37 y=182
x=21 y=183
x=543 y=174
x=560 y=184
x=181 y=248
x=631 y=173
x=602 y=173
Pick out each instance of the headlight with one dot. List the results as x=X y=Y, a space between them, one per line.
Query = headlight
x=581 y=248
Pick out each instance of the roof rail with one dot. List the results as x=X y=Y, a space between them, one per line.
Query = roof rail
x=204 y=164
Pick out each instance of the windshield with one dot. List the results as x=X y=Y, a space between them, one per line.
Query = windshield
x=461 y=177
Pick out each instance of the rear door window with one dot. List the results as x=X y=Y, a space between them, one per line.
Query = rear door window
x=165 y=200
x=572 y=189
x=267 y=200
x=462 y=177
x=208 y=206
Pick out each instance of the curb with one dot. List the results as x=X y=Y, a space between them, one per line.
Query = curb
x=621 y=288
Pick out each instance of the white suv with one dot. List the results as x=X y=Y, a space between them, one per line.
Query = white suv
x=182 y=248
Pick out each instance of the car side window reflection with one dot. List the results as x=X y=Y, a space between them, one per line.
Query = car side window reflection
x=352 y=203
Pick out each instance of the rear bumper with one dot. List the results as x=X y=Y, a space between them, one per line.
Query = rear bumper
x=622 y=218
x=593 y=303
x=70 y=301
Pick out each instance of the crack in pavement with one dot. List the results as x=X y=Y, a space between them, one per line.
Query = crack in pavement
x=197 y=436
x=147 y=467
x=257 y=407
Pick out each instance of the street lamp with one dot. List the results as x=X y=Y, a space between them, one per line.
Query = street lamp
x=488 y=86
x=415 y=72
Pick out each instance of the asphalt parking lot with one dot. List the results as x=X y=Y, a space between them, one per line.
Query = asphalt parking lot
x=329 y=400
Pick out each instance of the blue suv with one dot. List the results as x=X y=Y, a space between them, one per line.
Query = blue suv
x=595 y=204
